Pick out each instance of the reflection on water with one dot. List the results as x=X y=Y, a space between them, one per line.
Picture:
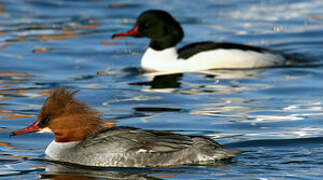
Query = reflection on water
x=58 y=171
x=275 y=111
x=9 y=145
x=162 y=83
x=170 y=82
x=8 y=91
x=69 y=171
x=219 y=74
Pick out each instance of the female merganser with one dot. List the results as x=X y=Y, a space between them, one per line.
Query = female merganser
x=165 y=32
x=82 y=138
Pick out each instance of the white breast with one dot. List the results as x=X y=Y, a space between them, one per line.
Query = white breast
x=158 y=60
x=60 y=150
x=166 y=60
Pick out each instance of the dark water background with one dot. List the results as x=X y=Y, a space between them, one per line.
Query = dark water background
x=277 y=112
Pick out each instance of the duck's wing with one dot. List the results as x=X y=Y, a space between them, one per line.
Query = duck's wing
x=161 y=141
x=194 y=48
x=126 y=139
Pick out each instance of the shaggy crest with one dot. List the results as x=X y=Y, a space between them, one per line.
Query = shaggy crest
x=65 y=115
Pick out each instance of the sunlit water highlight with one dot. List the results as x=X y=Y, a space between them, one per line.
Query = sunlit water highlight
x=277 y=112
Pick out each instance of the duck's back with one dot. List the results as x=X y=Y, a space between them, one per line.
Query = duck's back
x=189 y=50
x=216 y=55
x=131 y=147
x=211 y=55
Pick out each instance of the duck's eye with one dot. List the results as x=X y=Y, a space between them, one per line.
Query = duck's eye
x=146 y=25
x=44 y=122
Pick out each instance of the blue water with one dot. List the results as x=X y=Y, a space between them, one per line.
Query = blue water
x=277 y=112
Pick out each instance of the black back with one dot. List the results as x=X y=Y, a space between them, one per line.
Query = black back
x=194 y=48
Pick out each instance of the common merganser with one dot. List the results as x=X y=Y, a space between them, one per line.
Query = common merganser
x=82 y=138
x=165 y=32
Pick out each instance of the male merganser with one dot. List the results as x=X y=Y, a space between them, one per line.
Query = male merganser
x=165 y=32
x=82 y=138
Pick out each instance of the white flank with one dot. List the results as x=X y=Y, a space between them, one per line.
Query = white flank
x=166 y=60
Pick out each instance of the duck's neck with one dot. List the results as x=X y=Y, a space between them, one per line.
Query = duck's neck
x=158 y=58
x=57 y=150
x=77 y=127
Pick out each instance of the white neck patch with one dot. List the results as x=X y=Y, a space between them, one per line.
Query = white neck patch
x=154 y=58
x=45 y=130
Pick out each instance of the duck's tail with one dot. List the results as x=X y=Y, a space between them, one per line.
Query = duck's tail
x=228 y=153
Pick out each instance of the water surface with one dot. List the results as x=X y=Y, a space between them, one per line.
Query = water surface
x=276 y=112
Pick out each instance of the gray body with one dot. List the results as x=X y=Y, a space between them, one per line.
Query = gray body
x=132 y=147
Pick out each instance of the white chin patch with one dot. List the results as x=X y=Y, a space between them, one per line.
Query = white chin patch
x=45 y=130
